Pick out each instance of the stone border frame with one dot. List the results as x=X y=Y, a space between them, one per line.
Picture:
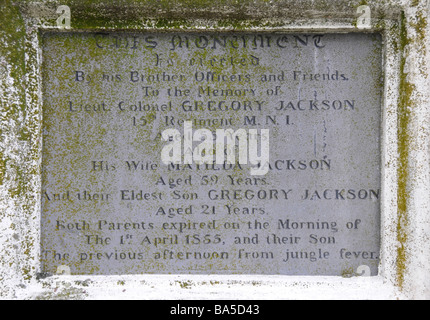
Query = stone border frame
x=404 y=270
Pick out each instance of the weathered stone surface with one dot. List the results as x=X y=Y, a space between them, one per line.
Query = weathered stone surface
x=405 y=251
x=109 y=205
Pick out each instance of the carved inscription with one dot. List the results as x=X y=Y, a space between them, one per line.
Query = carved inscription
x=110 y=205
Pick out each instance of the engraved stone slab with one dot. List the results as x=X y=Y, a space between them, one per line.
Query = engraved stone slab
x=111 y=206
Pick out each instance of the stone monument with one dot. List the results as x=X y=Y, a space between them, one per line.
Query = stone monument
x=111 y=205
x=213 y=149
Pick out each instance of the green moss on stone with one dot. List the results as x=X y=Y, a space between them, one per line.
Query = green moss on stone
x=405 y=102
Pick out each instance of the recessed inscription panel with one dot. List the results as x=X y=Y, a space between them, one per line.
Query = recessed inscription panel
x=300 y=197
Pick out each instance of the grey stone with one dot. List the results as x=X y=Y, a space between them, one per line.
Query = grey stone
x=110 y=206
